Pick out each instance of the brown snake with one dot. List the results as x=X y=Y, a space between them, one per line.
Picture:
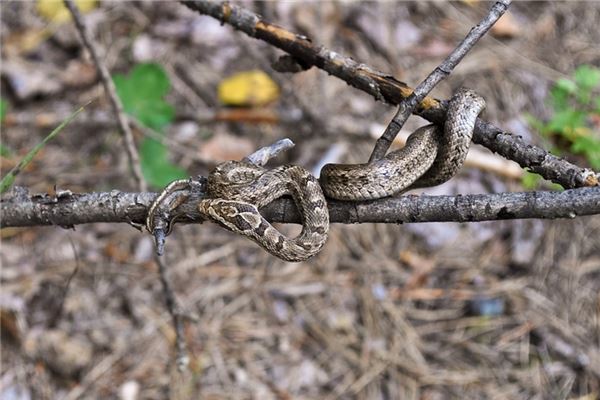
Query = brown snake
x=237 y=189
x=430 y=157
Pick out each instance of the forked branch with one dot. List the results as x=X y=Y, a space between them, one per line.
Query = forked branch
x=384 y=87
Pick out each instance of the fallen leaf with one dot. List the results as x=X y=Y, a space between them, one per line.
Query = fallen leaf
x=10 y=325
x=23 y=42
x=506 y=27
x=55 y=10
x=250 y=88
x=78 y=74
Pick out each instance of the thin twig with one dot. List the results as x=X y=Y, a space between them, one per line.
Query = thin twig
x=74 y=209
x=55 y=319
x=384 y=87
x=115 y=102
x=134 y=163
x=177 y=318
x=442 y=71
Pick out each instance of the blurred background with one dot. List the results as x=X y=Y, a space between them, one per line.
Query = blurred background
x=507 y=309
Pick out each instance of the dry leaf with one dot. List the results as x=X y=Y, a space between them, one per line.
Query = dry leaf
x=250 y=88
x=23 y=42
x=55 y=10
x=78 y=74
x=506 y=27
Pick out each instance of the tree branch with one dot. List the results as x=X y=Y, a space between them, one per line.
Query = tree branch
x=67 y=209
x=442 y=71
x=384 y=87
x=111 y=92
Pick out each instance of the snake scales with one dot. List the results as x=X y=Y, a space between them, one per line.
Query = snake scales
x=237 y=189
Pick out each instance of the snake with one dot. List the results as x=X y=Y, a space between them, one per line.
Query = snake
x=431 y=156
x=236 y=190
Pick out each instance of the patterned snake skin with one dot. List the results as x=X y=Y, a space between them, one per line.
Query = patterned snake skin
x=237 y=189
x=430 y=157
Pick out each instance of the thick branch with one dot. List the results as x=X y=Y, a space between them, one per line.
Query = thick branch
x=73 y=209
x=384 y=87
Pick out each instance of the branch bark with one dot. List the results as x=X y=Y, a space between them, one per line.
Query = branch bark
x=67 y=209
x=386 y=88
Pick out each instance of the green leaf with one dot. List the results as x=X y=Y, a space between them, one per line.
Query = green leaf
x=587 y=77
x=8 y=180
x=3 y=108
x=530 y=181
x=566 y=85
x=142 y=93
x=5 y=151
x=565 y=121
x=560 y=93
x=588 y=146
x=156 y=167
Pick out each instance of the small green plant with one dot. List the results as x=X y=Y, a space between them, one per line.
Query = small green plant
x=3 y=108
x=142 y=93
x=4 y=151
x=575 y=123
x=8 y=180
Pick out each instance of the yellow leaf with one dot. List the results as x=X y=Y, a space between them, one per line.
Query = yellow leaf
x=249 y=88
x=26 y=41
x=55 y=10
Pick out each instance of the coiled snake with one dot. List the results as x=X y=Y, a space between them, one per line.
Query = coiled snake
x=237 y=189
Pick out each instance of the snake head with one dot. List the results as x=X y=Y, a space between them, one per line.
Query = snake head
x=237 y=216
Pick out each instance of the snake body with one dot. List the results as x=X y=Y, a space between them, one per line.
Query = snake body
x=430 y=157
x=236 y=190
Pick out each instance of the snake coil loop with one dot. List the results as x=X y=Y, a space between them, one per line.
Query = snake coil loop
x=236 y=190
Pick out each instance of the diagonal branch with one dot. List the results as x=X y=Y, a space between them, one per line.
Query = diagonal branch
x=384 y=87
x=67 y=209
x=109 y=88
x=442 y=71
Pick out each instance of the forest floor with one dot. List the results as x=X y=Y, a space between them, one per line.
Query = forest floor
x=494 y=310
